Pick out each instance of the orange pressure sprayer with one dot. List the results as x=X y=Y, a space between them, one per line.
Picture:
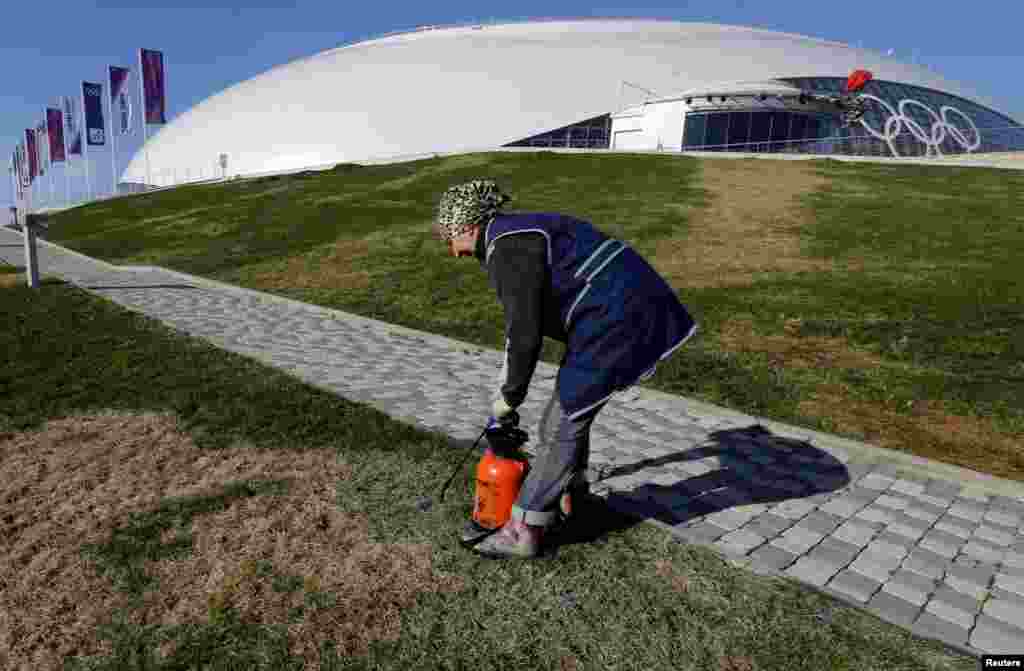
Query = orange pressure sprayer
x=499 y=475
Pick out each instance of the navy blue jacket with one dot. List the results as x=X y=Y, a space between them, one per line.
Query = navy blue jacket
x=561 y=277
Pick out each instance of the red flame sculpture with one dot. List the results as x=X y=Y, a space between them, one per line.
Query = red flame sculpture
x=857 y=80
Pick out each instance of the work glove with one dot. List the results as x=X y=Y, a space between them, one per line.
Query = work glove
x=502 y=410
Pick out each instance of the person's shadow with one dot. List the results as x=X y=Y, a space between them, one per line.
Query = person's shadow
x=757 y=466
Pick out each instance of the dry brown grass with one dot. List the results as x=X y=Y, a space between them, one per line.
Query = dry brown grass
x=751 y=227
x=931 y=429
x=76 y=480
x=339 y=267
x=8 y=280
x=668 y=570
x=792 y=350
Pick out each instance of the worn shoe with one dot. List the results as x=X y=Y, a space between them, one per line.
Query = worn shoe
x=515 y=540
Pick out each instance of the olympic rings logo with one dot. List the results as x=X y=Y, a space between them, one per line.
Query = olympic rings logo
x=940 y=128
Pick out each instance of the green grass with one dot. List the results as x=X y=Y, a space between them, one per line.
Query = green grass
x=602 y=603
x=938 y=300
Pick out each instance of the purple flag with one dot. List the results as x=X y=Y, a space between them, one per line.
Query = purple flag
x=95 y=129
x=119 y=100
x=71 y=127
x=33 y=155
x=153 y=85
x=55 y=130
x=41 y=147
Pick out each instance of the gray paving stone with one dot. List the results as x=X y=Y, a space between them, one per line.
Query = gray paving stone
x=843 y=506
x=1013 y=598
x=963 y=510
x=854 y=585
x=1005 y=611
x=925 y=511
x=877 y=568
x=910 y=587
x=866 y=495
x=896 y=540
x=1013 y=584
x=908 y=487
x=812 y=570
x=941 y=543
x=875 y=480
x=892 y=502
x=991 y=535
x=700 y=533
x=996 y=637
x=958 y=600
x=774 y=557
x=743 y=541
x=793 y=509
x=821 y=522
x=981 y=551
x=973 y=589
x=931 y=626
x=855 y=533
x=893 y=609
x=925 y=563
x=769 y=525
x=945 y=611
x=956 y=526
x=880 y=547
x=875 y=513
x=1010 y=569
x=797 y=541
x=837 y=547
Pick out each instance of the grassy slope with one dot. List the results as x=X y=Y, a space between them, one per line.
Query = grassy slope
x=936 y=303
x=632 y=599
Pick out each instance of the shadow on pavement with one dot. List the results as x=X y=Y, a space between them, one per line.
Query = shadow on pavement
x=755 y=466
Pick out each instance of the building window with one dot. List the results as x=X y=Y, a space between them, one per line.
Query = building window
x=718 y=131
x=693 y=131
x=739 y=131
x=589 y=134
x=760 y=130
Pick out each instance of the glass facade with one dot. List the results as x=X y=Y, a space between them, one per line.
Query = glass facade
x=815 y=131
x=590 y=134
x=795 y=131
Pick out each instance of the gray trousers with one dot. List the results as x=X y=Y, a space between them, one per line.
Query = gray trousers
x=564 y=456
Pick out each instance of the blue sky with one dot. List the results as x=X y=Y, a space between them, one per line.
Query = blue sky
x=211 y=44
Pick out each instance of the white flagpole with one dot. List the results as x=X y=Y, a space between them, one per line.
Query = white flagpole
x=85 y=148
x=142 y=116
x=113 y=142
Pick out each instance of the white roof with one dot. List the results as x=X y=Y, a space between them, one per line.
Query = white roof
x=471 y=87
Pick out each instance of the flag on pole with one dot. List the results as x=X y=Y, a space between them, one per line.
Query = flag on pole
x=153 y=102
x=55 y=130
x=41 y=147
x=95 y=129
x=16 y=162
x=23 y=166
x=71 y=127
x=119 y=99
x=33 y=154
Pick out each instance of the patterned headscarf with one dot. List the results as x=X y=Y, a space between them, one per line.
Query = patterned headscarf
x=465 y=205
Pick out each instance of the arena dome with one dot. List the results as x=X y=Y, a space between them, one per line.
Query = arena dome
x=466 y=88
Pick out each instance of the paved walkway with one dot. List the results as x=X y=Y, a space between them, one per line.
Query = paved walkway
x=927 y=546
